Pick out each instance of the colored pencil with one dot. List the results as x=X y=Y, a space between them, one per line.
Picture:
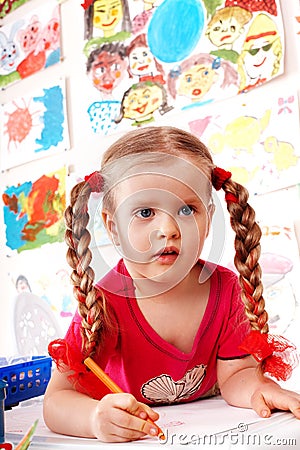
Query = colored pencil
x=26 y=440
x=113 y=387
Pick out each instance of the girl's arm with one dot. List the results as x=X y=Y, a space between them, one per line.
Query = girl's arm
x=242 y=384
x=114 y=418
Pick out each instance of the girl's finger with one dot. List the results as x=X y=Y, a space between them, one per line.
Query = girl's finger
x=131 y=425
x=259 y=405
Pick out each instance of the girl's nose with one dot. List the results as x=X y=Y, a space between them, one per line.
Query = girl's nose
x=168 y=227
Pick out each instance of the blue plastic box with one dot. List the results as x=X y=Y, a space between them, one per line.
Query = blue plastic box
x=25 y=379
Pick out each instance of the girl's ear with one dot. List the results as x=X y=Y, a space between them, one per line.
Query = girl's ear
x=110 y=227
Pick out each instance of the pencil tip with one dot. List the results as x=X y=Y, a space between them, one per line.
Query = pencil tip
x=161 y=436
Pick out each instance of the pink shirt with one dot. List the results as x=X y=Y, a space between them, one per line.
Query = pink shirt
x=143 y=363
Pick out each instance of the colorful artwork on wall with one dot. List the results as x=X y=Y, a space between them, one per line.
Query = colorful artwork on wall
x=30 y=44
x=7 y=6
x=34 y=126
x=257 y=141
x=145 y=60
x=33 y=212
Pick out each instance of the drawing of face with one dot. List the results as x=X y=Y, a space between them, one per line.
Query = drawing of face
x=141 y=102
x=196 y=82
x=224 y=32
x=262 y=49
x=141 y=61
x=107 y=71
x=29 y=37
x=259 y=59
x=107 y=14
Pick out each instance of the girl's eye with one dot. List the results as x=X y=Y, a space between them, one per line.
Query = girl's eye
x=145 y=213
x=186 y=210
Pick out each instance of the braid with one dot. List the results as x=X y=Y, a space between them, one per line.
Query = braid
x=91 y=301
x=247 y=247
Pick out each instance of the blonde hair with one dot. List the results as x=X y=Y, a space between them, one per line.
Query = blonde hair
x=132 y=147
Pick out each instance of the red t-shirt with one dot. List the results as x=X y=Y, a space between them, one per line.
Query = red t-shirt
x=143 y=363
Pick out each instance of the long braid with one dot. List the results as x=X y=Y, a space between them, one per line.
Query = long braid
x=275 y=354
x=247 y=248
x=91 y=301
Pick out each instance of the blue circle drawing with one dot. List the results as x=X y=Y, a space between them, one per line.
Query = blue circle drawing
x=175 y=29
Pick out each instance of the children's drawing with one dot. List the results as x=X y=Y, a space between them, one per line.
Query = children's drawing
x=106 y=66
x=6 y=6
x=196 y=76
x=34 y=126
x=269 y=6
x=224 y=28
x=141 y=101
x=175 y=29
x=30 y=44
x=142 y=64
x=105 y=21
x=33 y=212
x=140 y=21
x=198 y=51
x=261 y=53
x=255 y=143
x=102 y=115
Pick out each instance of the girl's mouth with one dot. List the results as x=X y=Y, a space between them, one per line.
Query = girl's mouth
x=167 y=255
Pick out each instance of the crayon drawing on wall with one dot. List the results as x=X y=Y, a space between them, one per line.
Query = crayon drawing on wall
x=30 y=44
x=257 y=141
x=34 y=126
x=33 y=212
x=7 y=6
x=148 y=59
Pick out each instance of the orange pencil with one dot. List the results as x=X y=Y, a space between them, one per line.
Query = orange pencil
x=113 y=387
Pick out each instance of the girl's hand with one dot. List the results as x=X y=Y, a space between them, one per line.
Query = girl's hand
x=272 y=396
x=121 y=418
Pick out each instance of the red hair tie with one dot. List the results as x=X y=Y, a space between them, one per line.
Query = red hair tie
x=95 y=181
x=86 y=4
x=230 y=198
x=219 y=176
x=277 y=355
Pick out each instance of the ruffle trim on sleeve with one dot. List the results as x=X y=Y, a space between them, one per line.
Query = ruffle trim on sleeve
x=276 y=354
x=69 y=359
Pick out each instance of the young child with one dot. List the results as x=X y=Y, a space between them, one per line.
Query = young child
x=164 y=324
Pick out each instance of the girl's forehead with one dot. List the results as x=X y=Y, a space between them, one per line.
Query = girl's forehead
x=171 y=174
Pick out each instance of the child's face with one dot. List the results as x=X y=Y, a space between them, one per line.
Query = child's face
x=141 y=61
x=161 y=222
x=141 y=103
x=196 y=82
x=107 y=71
x=224 y=31
x=259 y=59
x=107 y=14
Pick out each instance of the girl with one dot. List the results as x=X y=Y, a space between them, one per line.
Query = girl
x=164 y=324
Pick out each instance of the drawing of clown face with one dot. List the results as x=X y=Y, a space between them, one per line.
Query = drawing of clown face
x=141 y=61
x=142 y=101
x=259 y=59
x=107 y=15
x=261 y=54
x=195 y=82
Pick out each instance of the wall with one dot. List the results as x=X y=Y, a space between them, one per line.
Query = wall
x=73 y=69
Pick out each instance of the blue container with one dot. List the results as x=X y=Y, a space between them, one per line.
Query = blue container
x=3 y=386
x=26 y=380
